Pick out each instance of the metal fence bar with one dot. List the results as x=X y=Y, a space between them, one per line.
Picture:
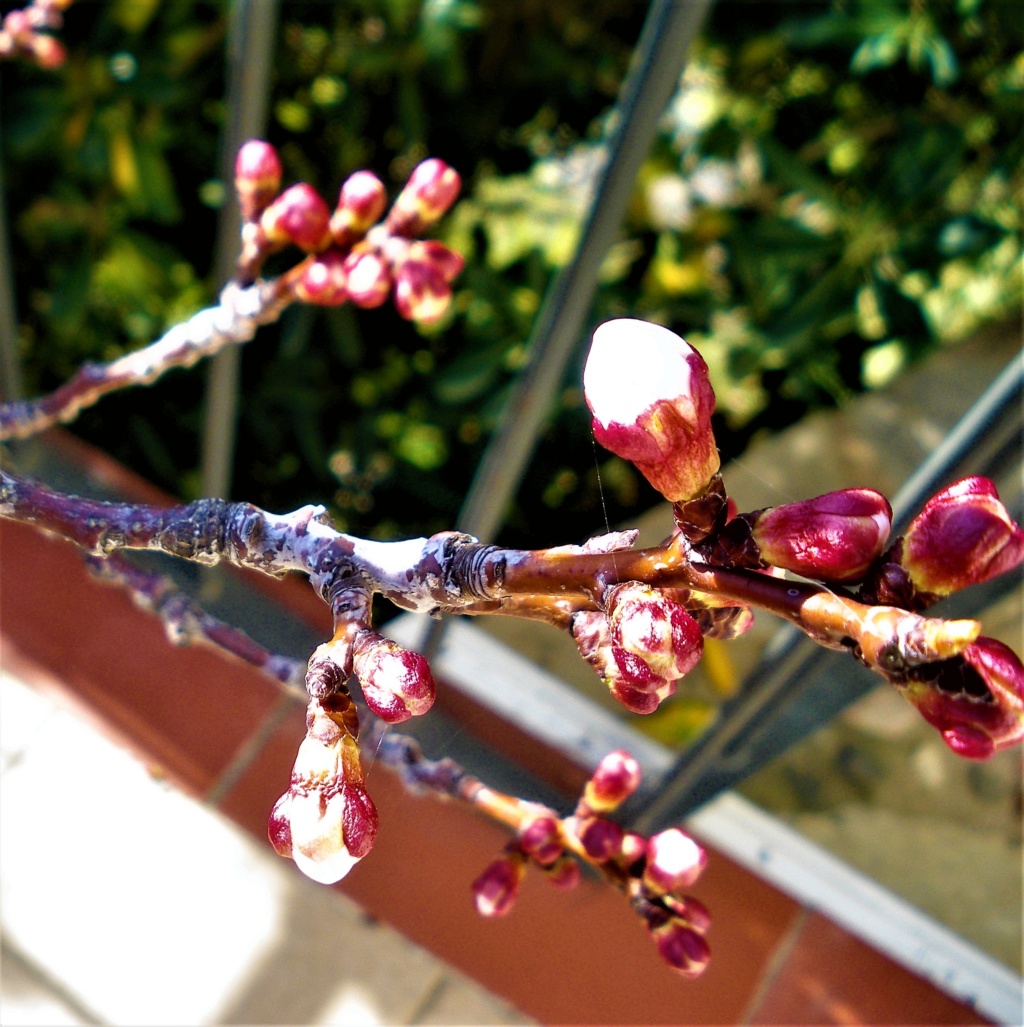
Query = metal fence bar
x=668 y=32
x=250 y=56
x=784 y=698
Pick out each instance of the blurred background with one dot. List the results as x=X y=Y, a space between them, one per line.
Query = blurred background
x=830 y=212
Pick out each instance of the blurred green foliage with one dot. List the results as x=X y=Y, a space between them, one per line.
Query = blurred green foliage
x=835 y=191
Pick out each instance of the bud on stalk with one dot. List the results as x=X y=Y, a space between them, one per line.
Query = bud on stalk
x=257 y=177
x=962 y=536
x=652 y=403
x=397 y=683
x=616 y=778
x=674 y=861
x=426 y=197
x=323 y=280
x=497 y=888
x=834 y=537
x=298 y=216
x=361 y=202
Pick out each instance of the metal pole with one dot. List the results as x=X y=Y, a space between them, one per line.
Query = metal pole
x=250 y=57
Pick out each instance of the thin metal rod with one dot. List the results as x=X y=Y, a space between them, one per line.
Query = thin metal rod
x=666 y=37
x=250 y=56
x=791 y=661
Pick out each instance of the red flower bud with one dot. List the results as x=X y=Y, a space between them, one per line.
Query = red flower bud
x=564 y=872
x=648 y=624
x=834 y=537
x=360 y=205
x=541 y=840
x=976 y=700
x=682 y=947
x=326 y=821
x=652 y=404
x=298 y=216
x=962 y=536
x=601 y=839
x=674 y=861
x=48 y=52
x=323 y=280
x=397 y=684
x=497 y=888
x=429 y=251
x=257 y=177
x=430 y=191
x=368 y=277
x=616 y=778
x=421 y=292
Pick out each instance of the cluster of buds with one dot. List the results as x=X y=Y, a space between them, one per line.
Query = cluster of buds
x=651 y=872
x=641 y=643
x=21 y=35
x=652 y=401
x=352 y=254
x=326 y=820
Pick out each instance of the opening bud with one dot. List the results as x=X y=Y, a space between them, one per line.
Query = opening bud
x=298 y=216
x=674 y=861
x=326 y=821
x=397 y=683
x=834 y=537
x=652 y=403
x=962 y=536
x=421 y=292
x=368 y=277
x=257 y=177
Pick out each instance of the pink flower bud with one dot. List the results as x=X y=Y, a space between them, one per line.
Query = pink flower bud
x=674 y=861
x=326 y=821
x=257 y=177
x=497 y=888
x=298 y=216
x=687 y=908
x=368 y=276
x=652 y=404
x=629 y=680
x=683 y=948
x=421 y=292
x=541 y=840
x=430 y=191
x=976 y=700
x=48 y=52
x=397 y=684
x=429 y=251
x=834 y=537
x=601 y=839
x=564 y=872
x=647 y=623
x=616 y=778
x=360 y=205
x=961 y=537
x=323 y=280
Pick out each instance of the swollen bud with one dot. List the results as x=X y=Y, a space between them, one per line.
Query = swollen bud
x=368 y=277
x=257 y=177
x=674 y=861
x=962 y=536
x=616 y=778
x=834 y=537
x=397 y=683
x=975 y=699
x=426 y=197
x=646 y=623
x=497 y=888
x=681 y=946
x=298 y=216
x=323 y=281
x=652 y=403
x=360 y=205
x=421 y=292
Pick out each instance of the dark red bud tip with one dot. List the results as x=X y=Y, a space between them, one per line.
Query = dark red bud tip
x=616 y=778
x=834 y=537
x=257 y=177
x=601 y=839
x=496 y=889
x=962 y=536
x=323 y=281
x=541 y=840
x=681 y=947
x=298 y=216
